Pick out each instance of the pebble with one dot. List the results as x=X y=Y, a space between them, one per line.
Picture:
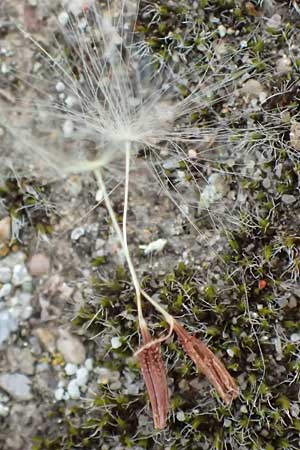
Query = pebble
x=60 y=87
x=284 y=65
x=89 y=364
x=116 y=342
x=288 y=199
x=73 y=390
x=59 y=394
x=82 y=375
x=230 y=352
x=16 y=385
x=47 y=339
x=20 y=275
x=274 y=21
x=115 y=385
x=154 y=246
x=71 y=101
x=8 y=324
x=180 y=416
x=295 y=135
x=252 y=87
x=216 y=189
x=292 y=302
x=222 y=31
x=5 y=230
x=5 y=290
x=77 y=233
x=21 y=359
x=63 y=18
x=70 y=369
x=71 y=348
x=5 y=274
x=4 y=410
x=38 y=265
x=295 y=337
x=68 y=128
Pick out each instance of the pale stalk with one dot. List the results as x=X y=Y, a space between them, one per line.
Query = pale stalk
x=124 y=245
x=123 y=242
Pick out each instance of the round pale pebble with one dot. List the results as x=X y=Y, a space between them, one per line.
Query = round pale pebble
x=68 y=128
x=63 y=18
x=73 y=390
x=82 y=375
x=39 y=265
x=59 y=394
x=180 y=416
x=116 y=342
x=70 y=369
x=77 y=233
x=60 y=87
x=89 y=364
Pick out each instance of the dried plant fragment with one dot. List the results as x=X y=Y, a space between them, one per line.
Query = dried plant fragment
x=155 y=377
x=208 y=364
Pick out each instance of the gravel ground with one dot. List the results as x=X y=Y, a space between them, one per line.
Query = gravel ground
x=219 y=246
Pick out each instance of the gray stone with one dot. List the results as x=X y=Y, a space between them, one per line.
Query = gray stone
x=8 y=324
x=5 y=274
x=5 y=290
x=288 y=199
x=21 y=359
x=20 y=275
x=4 y=410
x=16 y=385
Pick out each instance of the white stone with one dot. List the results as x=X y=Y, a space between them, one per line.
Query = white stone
x=70 y=369
x=71 y=101
x=77 y=233
x=68 y=128
x=99 y=196
x=230 y=352
x=63 y=18
x=59 y=394
x=73 y=390
x=20 y=275
x=180 y=416
x=5 y=274
x=5 y=290
x=154 y=246
x=116 y=342
x=295 y=337
x=82 y=376
x=222 y=31
x=60 y=87
x=89 y=363
x=4 y=410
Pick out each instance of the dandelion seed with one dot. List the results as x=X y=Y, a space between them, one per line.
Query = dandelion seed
x=208 y=364
x=154 y=373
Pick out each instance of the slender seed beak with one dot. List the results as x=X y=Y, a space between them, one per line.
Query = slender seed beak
x=154 y=373
x=208 y=364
